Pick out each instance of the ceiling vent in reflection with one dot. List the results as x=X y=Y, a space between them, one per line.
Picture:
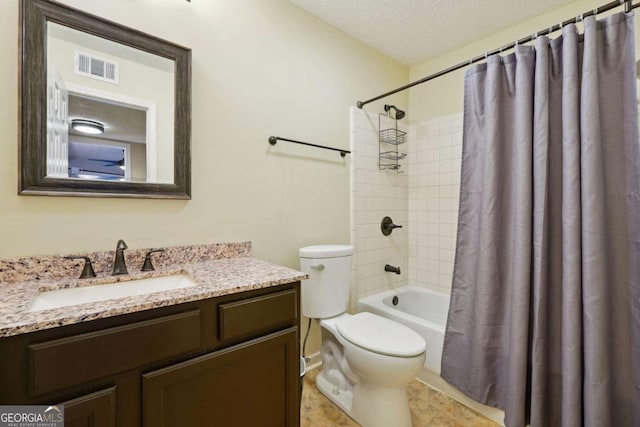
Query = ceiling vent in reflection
x=95 y=67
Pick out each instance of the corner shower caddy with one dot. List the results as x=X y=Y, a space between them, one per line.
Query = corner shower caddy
x=388 y=141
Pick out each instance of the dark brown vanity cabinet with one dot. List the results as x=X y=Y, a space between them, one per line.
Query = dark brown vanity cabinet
x=252 y=384
x=228 y=361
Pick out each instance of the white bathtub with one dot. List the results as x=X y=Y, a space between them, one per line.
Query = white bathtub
x=422 y=310
x=425 y=312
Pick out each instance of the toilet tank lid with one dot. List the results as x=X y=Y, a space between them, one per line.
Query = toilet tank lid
x=326 y=251
x=381 y=335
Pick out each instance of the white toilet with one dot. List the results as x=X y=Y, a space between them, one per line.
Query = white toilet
x=367 y=360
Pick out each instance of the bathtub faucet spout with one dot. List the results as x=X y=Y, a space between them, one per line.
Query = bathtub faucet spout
x=392 y=269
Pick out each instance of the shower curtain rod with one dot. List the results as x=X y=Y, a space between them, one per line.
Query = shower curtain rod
x=628 y=6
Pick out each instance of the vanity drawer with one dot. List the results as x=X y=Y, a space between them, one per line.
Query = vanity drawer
x=69 y=361
x=254 y=316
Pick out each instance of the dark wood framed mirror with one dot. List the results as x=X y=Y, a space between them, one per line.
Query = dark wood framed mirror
x=105 y=110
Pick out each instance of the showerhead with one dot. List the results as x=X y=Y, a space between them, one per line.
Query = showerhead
x=399 y=115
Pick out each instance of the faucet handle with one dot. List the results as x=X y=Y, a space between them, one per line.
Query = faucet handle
x=87 y=270
x=387 y=226
x=148 y=265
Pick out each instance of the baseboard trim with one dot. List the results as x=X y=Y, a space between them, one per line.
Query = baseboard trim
x=313 y=360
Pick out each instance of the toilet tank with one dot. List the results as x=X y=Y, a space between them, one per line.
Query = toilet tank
x=326 y=292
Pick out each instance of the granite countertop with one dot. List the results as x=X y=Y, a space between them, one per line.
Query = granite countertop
x=215 y=277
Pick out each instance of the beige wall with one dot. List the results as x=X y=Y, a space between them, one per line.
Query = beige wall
x=260 y=68
x=443 y=96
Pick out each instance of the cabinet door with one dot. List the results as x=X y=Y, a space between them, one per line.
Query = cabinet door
x=93 y=410
x=251 y=384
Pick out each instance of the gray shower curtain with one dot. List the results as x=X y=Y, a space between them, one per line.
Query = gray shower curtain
x=544 y=320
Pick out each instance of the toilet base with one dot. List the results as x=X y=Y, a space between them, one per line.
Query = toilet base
x=341 y=398
x=376 y=406
x=369 y=404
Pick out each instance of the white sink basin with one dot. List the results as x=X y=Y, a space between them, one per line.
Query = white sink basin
x=82 y=295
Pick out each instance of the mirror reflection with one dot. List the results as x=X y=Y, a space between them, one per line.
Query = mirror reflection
x=110 y=110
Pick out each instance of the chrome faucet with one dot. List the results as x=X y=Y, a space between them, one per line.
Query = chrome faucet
x=119 y=264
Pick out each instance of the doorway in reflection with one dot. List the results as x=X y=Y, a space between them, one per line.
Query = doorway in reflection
x=115 y=149
x=128 y=93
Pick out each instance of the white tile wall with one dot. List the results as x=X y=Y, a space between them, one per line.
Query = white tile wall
x=374 y=195
x=423 y=199
x=435 y=148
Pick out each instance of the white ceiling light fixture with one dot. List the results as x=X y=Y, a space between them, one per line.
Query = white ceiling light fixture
x=90 y=127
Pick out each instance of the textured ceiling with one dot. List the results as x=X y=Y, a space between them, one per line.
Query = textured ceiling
x=412 y=31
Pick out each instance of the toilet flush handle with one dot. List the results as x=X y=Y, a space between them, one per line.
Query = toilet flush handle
x=319 y=267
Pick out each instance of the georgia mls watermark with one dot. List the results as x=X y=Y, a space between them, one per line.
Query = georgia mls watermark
x=31 y=416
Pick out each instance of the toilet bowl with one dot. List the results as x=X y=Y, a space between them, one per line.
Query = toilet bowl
x=377 y=366
x=367 y=360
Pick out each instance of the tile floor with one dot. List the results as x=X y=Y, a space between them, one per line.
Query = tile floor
x=429 y=408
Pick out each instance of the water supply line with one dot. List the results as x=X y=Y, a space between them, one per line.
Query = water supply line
x=304 y=343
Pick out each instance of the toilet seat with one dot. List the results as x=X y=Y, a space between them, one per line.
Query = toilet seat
x=380 y=335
